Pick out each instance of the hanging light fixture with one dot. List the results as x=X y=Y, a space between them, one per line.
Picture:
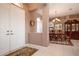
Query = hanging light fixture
x=56 y=19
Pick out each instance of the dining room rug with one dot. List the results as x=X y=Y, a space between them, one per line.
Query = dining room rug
x=26 y=51
x=62 y=42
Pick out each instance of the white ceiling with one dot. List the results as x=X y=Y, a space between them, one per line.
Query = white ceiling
x=61 y=9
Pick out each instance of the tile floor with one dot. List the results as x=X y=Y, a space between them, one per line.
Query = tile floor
x=57 y=50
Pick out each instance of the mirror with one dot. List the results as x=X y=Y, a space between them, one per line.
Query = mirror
x=32 y=23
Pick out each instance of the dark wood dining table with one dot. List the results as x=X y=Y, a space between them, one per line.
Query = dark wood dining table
x=58 y=36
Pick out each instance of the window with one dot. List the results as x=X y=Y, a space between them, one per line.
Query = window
x=39 y=25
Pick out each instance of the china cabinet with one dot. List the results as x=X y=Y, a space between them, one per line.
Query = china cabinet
x=71 y=28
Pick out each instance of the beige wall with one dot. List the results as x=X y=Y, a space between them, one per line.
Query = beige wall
x=45 y=35
x=40 y=38
x=27 y=16
x=32 y=37
x=33 y=16
x=35 y=38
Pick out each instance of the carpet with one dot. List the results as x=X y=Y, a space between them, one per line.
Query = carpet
x=26 y=51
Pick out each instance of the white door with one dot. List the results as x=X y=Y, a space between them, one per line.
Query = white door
x=17 y=25
x=4 y=28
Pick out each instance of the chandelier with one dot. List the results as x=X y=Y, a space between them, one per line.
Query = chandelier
x=56 y=19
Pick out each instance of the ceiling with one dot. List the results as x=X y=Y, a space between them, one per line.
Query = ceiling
x=34 y=6
x=61 y=9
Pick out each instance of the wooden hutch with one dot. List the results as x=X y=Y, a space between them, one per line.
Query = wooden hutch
x=71 y=28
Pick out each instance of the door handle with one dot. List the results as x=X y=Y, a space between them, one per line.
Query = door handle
x=11 y=33
x=7 y=30
x=7 y=34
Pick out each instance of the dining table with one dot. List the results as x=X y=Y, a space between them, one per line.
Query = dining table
x=58 y=36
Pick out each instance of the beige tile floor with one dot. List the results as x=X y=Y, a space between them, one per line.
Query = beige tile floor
x=57 y=50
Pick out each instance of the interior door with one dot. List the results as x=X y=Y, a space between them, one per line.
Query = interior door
x=17 y=27
x=4 y=28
